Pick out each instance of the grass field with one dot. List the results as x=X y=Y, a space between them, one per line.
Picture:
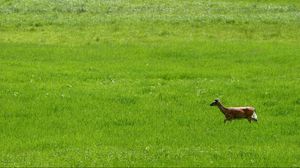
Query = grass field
x=129 y=83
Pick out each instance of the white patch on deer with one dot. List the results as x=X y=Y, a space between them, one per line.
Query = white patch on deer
x=254 y=116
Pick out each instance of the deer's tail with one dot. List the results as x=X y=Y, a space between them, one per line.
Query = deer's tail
x=254 y=116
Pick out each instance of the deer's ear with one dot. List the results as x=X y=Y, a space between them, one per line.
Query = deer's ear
x=217 y=100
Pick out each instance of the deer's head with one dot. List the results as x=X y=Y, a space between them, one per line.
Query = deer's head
x=216 y=102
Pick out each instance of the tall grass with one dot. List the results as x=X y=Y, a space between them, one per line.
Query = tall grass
x=128 y=83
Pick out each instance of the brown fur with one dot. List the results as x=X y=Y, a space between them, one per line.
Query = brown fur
x=232 y=113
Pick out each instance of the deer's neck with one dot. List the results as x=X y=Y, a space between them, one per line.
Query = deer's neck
x=222 y=108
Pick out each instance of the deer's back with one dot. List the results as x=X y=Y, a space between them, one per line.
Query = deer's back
x=240 y=112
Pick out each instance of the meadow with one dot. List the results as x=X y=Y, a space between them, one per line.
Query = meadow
x=128 y=83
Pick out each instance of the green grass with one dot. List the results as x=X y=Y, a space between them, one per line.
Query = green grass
x=129 y=83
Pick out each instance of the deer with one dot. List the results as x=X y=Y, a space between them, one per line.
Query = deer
x=232 y=113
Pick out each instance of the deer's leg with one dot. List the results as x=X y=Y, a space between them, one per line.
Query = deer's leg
x=249 y=119
x=225 y=120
